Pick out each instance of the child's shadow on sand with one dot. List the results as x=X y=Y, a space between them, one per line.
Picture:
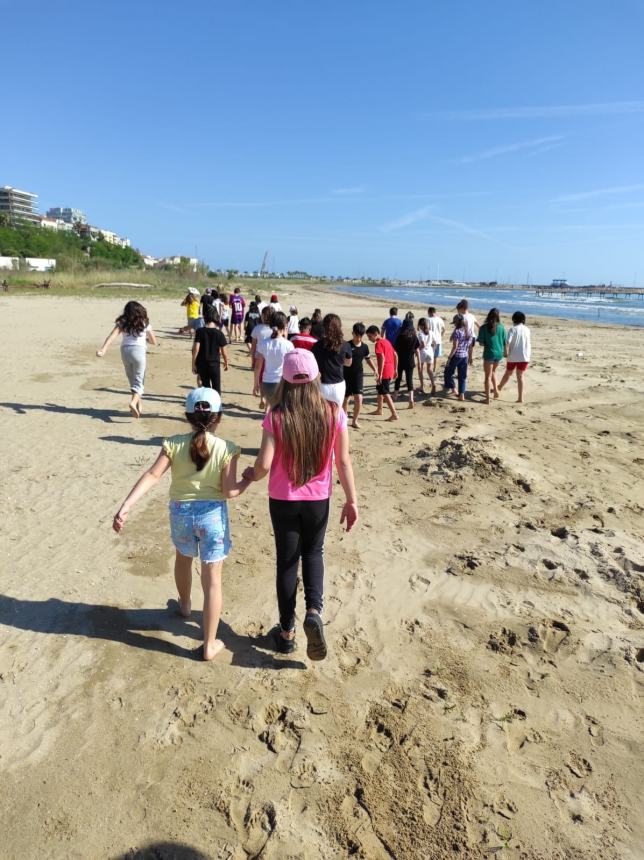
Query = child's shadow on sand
x=133 y=627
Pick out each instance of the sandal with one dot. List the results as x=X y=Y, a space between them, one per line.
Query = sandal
x=314 y=632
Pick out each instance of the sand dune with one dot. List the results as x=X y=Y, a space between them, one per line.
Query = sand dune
x=483 y=692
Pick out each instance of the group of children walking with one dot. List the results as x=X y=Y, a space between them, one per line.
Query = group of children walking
x=306 y=381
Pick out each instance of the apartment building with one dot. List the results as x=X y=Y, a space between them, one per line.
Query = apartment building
x=18 y=205
x=67 y=214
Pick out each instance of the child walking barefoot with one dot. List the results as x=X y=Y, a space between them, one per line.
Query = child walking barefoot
x=428 y=342
x=387 y=360
x=134 y=326
x=204 y=475
x=302 y=435
x=493 y=339
x=517 y=352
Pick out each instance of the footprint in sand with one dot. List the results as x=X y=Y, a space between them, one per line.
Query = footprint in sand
x=253 y=823
x=282 y=732
x=353 y=653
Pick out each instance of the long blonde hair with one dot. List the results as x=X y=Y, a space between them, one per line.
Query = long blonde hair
x=303 y=423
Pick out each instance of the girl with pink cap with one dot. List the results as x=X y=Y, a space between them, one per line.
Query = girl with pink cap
x=302 y=434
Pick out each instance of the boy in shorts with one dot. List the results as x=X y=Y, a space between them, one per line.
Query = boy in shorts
x=387 y=360
x=518 y=351
x=354 y=375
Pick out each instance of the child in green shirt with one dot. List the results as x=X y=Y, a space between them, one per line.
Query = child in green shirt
x=493 y=338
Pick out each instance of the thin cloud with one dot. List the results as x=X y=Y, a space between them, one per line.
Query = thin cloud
x=352 y=189
x=598 y=192
x=426 y=214
x=509 y=148
x=462 y=228
x=545 y=111
x=406 y=220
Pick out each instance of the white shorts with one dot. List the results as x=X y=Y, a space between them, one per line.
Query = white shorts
x=334 y=391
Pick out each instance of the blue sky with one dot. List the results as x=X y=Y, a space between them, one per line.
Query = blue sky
x=467 y=139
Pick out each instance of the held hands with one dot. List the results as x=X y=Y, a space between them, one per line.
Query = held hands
x=249 y=473
x=119 y=521
x=349 y=515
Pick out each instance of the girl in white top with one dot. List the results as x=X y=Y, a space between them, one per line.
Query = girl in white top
x=134 y=326
x=518 y=351
x=258 y=334
x=436 y=326
x=275 y=305
x=293 y=322
x=427 y=340
x=270 y=360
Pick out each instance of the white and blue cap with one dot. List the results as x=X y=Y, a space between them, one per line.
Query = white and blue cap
x=206 y=396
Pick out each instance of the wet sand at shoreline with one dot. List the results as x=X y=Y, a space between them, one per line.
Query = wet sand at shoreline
x=483 y=688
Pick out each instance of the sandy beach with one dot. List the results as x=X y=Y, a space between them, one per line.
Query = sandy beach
x=482 y=696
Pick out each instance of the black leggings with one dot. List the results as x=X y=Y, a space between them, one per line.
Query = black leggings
x=409 y=377
x=299 y=529
x=210 y=375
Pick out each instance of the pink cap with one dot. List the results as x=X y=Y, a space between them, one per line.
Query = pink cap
x=300 y=366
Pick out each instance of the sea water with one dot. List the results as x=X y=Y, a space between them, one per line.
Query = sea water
x=597 y=309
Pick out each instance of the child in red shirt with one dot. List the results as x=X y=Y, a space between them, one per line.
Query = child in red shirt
x=387 y=360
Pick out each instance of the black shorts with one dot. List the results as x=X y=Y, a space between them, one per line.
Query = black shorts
x=355 y=385
x=383 y=387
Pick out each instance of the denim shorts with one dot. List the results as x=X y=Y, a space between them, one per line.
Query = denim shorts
x=201 y=529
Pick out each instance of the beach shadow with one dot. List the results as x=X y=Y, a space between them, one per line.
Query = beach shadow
x=108 y=416
x=163 y=851
x=162 y=398
x=127 y=440
x=133 y=626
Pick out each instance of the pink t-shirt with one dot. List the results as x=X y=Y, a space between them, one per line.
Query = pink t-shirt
x=319 y=487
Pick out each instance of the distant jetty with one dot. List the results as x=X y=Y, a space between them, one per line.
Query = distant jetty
x=601 y=291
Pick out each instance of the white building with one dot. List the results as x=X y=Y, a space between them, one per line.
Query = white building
x=33 y=264
x=176 y=261
x=67 y=214
x=40 y=264
x=55 y=224
x=18 y=205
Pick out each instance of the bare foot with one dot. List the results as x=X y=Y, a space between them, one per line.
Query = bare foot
x=211 y=649
x=185 y=609
x=433 y=391
x=487 y=401
x=496 y=395
x=134 y=409
x=411 y=406
x=393 y=418
x=355 y=424
x=376 y=412
x=519 y=401
x=461 y=397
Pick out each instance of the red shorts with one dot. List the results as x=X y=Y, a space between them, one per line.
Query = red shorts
x=521 y=365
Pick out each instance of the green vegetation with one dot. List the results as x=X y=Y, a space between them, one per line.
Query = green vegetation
x=67 y=248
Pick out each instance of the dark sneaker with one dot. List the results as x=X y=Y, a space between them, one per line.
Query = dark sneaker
x=282 y=645
x=314 y=632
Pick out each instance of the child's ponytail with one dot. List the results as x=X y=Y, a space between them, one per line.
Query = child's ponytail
x=278 y=324
x=203 y=422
